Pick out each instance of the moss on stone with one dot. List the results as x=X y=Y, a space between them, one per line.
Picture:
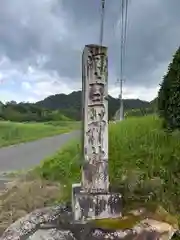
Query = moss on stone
x=133 y=217
x=117 y=223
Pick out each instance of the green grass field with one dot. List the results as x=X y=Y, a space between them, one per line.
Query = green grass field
x=12 y=133
x=144 y=163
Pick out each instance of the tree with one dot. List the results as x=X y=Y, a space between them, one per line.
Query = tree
x=169 y=95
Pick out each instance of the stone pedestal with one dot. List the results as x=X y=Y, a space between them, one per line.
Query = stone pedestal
x=89 y=206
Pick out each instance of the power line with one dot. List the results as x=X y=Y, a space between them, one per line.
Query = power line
x=102 y=21
x=121 y=62
x=125 y=30
x=124 y=21
x=122 y=38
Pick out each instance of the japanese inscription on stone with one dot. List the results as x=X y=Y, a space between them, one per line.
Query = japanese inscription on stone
x=95 y=114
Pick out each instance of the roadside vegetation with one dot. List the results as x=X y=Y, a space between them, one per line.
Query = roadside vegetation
x=144 y=163
x=13 y=133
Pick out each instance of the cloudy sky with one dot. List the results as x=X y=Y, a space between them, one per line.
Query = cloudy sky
x=41 y=43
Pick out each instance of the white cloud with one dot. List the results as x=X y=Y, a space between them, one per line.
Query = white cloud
x=135 y=92
x=8 y=95
x=46 y=88
x=34 y=84
x=26 y=86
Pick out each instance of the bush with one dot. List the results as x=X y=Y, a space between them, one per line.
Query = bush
x=169 y=95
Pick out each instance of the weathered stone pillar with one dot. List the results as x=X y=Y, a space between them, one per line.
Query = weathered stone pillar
x=95 y=115
x=92 y=199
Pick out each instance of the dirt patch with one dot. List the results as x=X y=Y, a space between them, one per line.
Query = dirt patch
x=23 y=196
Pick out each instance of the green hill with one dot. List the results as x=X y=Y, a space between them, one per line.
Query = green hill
x=65 y=107
x=70 y=104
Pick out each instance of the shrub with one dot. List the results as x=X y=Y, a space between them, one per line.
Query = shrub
x=169 y=95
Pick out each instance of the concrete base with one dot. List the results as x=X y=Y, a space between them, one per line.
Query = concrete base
x=94 y=205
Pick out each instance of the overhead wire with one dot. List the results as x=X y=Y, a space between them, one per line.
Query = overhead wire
x=122 y=38
x=102 y=21
x=124 y=22
x=125 y=30
x=123 y=35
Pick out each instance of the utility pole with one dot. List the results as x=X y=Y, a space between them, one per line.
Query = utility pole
x=121 y=109
x=121 y=106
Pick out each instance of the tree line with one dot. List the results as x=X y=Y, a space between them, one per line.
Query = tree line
x=169 y=95
x=29 y=112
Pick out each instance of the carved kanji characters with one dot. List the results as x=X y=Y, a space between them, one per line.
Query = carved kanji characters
x=96 y=94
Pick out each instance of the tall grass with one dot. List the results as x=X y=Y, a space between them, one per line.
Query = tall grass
x=144 y=163
x=12 y=133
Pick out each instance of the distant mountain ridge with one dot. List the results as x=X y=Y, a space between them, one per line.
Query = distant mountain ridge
x=68 y=107
x=70 y=104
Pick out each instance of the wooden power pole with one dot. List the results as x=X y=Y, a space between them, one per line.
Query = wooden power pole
x=121 y=107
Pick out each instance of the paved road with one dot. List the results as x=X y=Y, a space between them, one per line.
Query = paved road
x=27 y=155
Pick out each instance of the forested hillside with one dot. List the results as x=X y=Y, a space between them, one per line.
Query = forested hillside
x=62 y=107
x=70 y=105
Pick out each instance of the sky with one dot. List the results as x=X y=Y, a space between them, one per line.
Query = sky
x=41 y=44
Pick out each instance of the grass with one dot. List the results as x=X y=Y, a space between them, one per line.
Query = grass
x=144 y=163
x=13 y=133
x=24 y=196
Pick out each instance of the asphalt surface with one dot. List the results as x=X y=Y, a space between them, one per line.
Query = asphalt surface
x=27 y=155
